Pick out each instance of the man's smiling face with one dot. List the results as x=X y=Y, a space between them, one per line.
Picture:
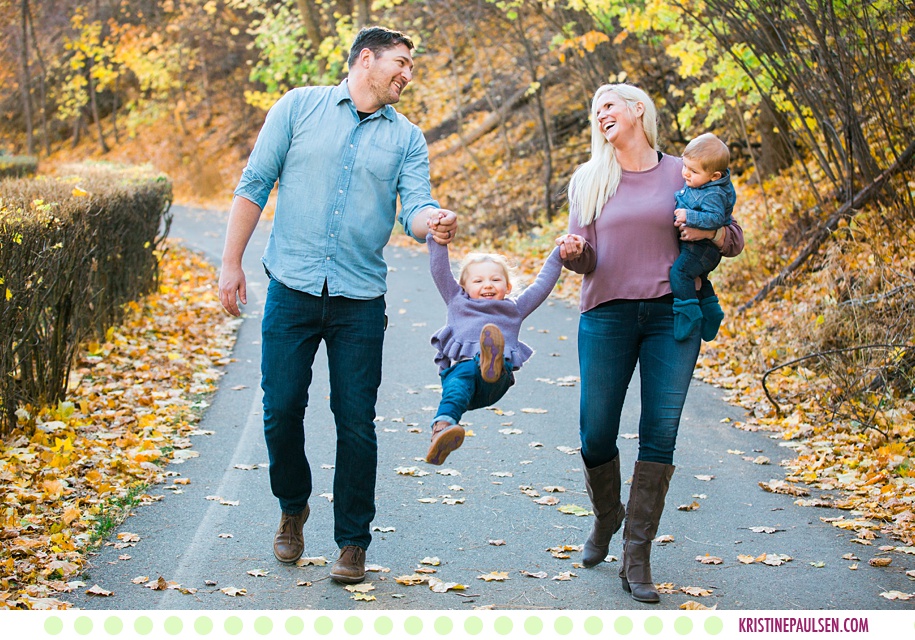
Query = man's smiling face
x=389 y=73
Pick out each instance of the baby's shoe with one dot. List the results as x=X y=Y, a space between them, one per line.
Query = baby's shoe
x=687 y=318
x=712 y=316
x=492 y=353
x=446 y=437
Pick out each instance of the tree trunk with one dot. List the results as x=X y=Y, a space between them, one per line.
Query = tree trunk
x=311 y=17
x=42 y=87
x=94 y=104
x=363 y=13
x=26 y=80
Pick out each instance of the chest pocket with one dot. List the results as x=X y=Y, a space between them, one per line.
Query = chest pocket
x=383 y=163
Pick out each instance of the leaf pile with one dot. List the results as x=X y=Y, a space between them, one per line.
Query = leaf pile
x=69 y=473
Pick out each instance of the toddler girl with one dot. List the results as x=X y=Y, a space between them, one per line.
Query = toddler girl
x=479 y=348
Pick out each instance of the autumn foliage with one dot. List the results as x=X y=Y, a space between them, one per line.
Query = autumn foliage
x=73 y=252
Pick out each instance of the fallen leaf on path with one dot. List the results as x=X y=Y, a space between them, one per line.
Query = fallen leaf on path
x=692 y=605
x=428 y=500
x=439 y=586
x=410 y=580
x=140 y=579
x=567 y=450
x=455 y=487
x=630 y=436
x=329 y=496
x=497 y=543
x=210 y=583
x=232 y=592
x=554 y=489
x=548 y=500
x=452 y=501
x=575 y=510
x=819 y=564
x=774 y=559
x=384 y=529
x=666 y=538
x=880 y=562
x=416 y=472
x=365 y=587
x=125 y=536
x=692 y=506
x=258 y=573
x=377 y=568
x=511 y=432
x=426 y=570
x=303 y=583
x=897 y=595
x=564 y=576
x=318 y=561
x=230 y=503
x=780 y=486
x=247 y=467
x=501 y=474
x=539 y=574
x=764 y=529
x=704 y=478
x=448 y=472
x=696 y=591
x=533 y=410
x=761 y=460
x=707 y=559
x=497 y=576
x=96 y=590
x=225 y=535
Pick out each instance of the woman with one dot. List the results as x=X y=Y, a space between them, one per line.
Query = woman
x=623 y=239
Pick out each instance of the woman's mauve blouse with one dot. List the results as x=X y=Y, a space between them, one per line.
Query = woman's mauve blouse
x=631 y=247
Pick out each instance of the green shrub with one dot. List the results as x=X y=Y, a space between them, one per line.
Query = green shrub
x=73 y=251
x=18 y=166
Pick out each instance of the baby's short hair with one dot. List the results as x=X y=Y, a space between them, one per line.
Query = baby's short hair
x=709 y=151
x=476 y=258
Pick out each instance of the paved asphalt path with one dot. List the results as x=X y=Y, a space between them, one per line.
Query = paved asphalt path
x=180 y=536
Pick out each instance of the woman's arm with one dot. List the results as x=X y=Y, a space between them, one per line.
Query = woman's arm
x=729 y=239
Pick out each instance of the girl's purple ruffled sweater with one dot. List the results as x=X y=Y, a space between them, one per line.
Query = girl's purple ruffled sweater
x=459 y=339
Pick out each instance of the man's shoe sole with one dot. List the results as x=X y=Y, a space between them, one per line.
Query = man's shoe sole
x=346 y=579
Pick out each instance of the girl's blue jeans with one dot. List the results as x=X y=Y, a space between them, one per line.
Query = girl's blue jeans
x=463 y=389
x=612 y=339
x=294 y=325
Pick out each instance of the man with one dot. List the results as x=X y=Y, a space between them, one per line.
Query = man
x=342 y=155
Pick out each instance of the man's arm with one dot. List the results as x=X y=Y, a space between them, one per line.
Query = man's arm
x=243 y=219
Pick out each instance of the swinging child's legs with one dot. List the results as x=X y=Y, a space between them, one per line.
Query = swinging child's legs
x=464 y=388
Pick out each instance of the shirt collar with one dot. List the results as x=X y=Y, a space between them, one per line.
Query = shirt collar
x=341 y=93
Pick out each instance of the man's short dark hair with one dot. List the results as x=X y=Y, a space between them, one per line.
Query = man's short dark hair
x=376 y=40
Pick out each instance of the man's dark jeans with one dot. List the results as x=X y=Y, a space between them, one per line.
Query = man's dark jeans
x=294 y=325
x=696 y=260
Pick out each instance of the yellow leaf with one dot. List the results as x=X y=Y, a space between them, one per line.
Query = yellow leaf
x=79 y=192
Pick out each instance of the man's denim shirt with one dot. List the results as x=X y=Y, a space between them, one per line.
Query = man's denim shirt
x=339 y=179
x=709 y=206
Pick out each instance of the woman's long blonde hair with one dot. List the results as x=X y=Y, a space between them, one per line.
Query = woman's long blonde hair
x=596 y=181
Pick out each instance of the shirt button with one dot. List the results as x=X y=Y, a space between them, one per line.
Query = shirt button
x=336 y=213
x=351 y=146
x=341 y=190
x=345 y=167
x=331 y=235
x=328 y=257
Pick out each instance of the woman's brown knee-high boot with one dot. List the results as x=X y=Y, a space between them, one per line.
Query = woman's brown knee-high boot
x=603 y=485
x=650 y=481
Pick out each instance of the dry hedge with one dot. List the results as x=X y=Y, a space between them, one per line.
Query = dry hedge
x=18 y=166
x=73 y=251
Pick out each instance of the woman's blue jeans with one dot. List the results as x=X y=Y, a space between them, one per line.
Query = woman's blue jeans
x=294 y=325
x=612 y=338
x=463 y=389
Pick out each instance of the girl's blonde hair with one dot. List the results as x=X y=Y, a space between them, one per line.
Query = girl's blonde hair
x=596 y=181
x=476 y=258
